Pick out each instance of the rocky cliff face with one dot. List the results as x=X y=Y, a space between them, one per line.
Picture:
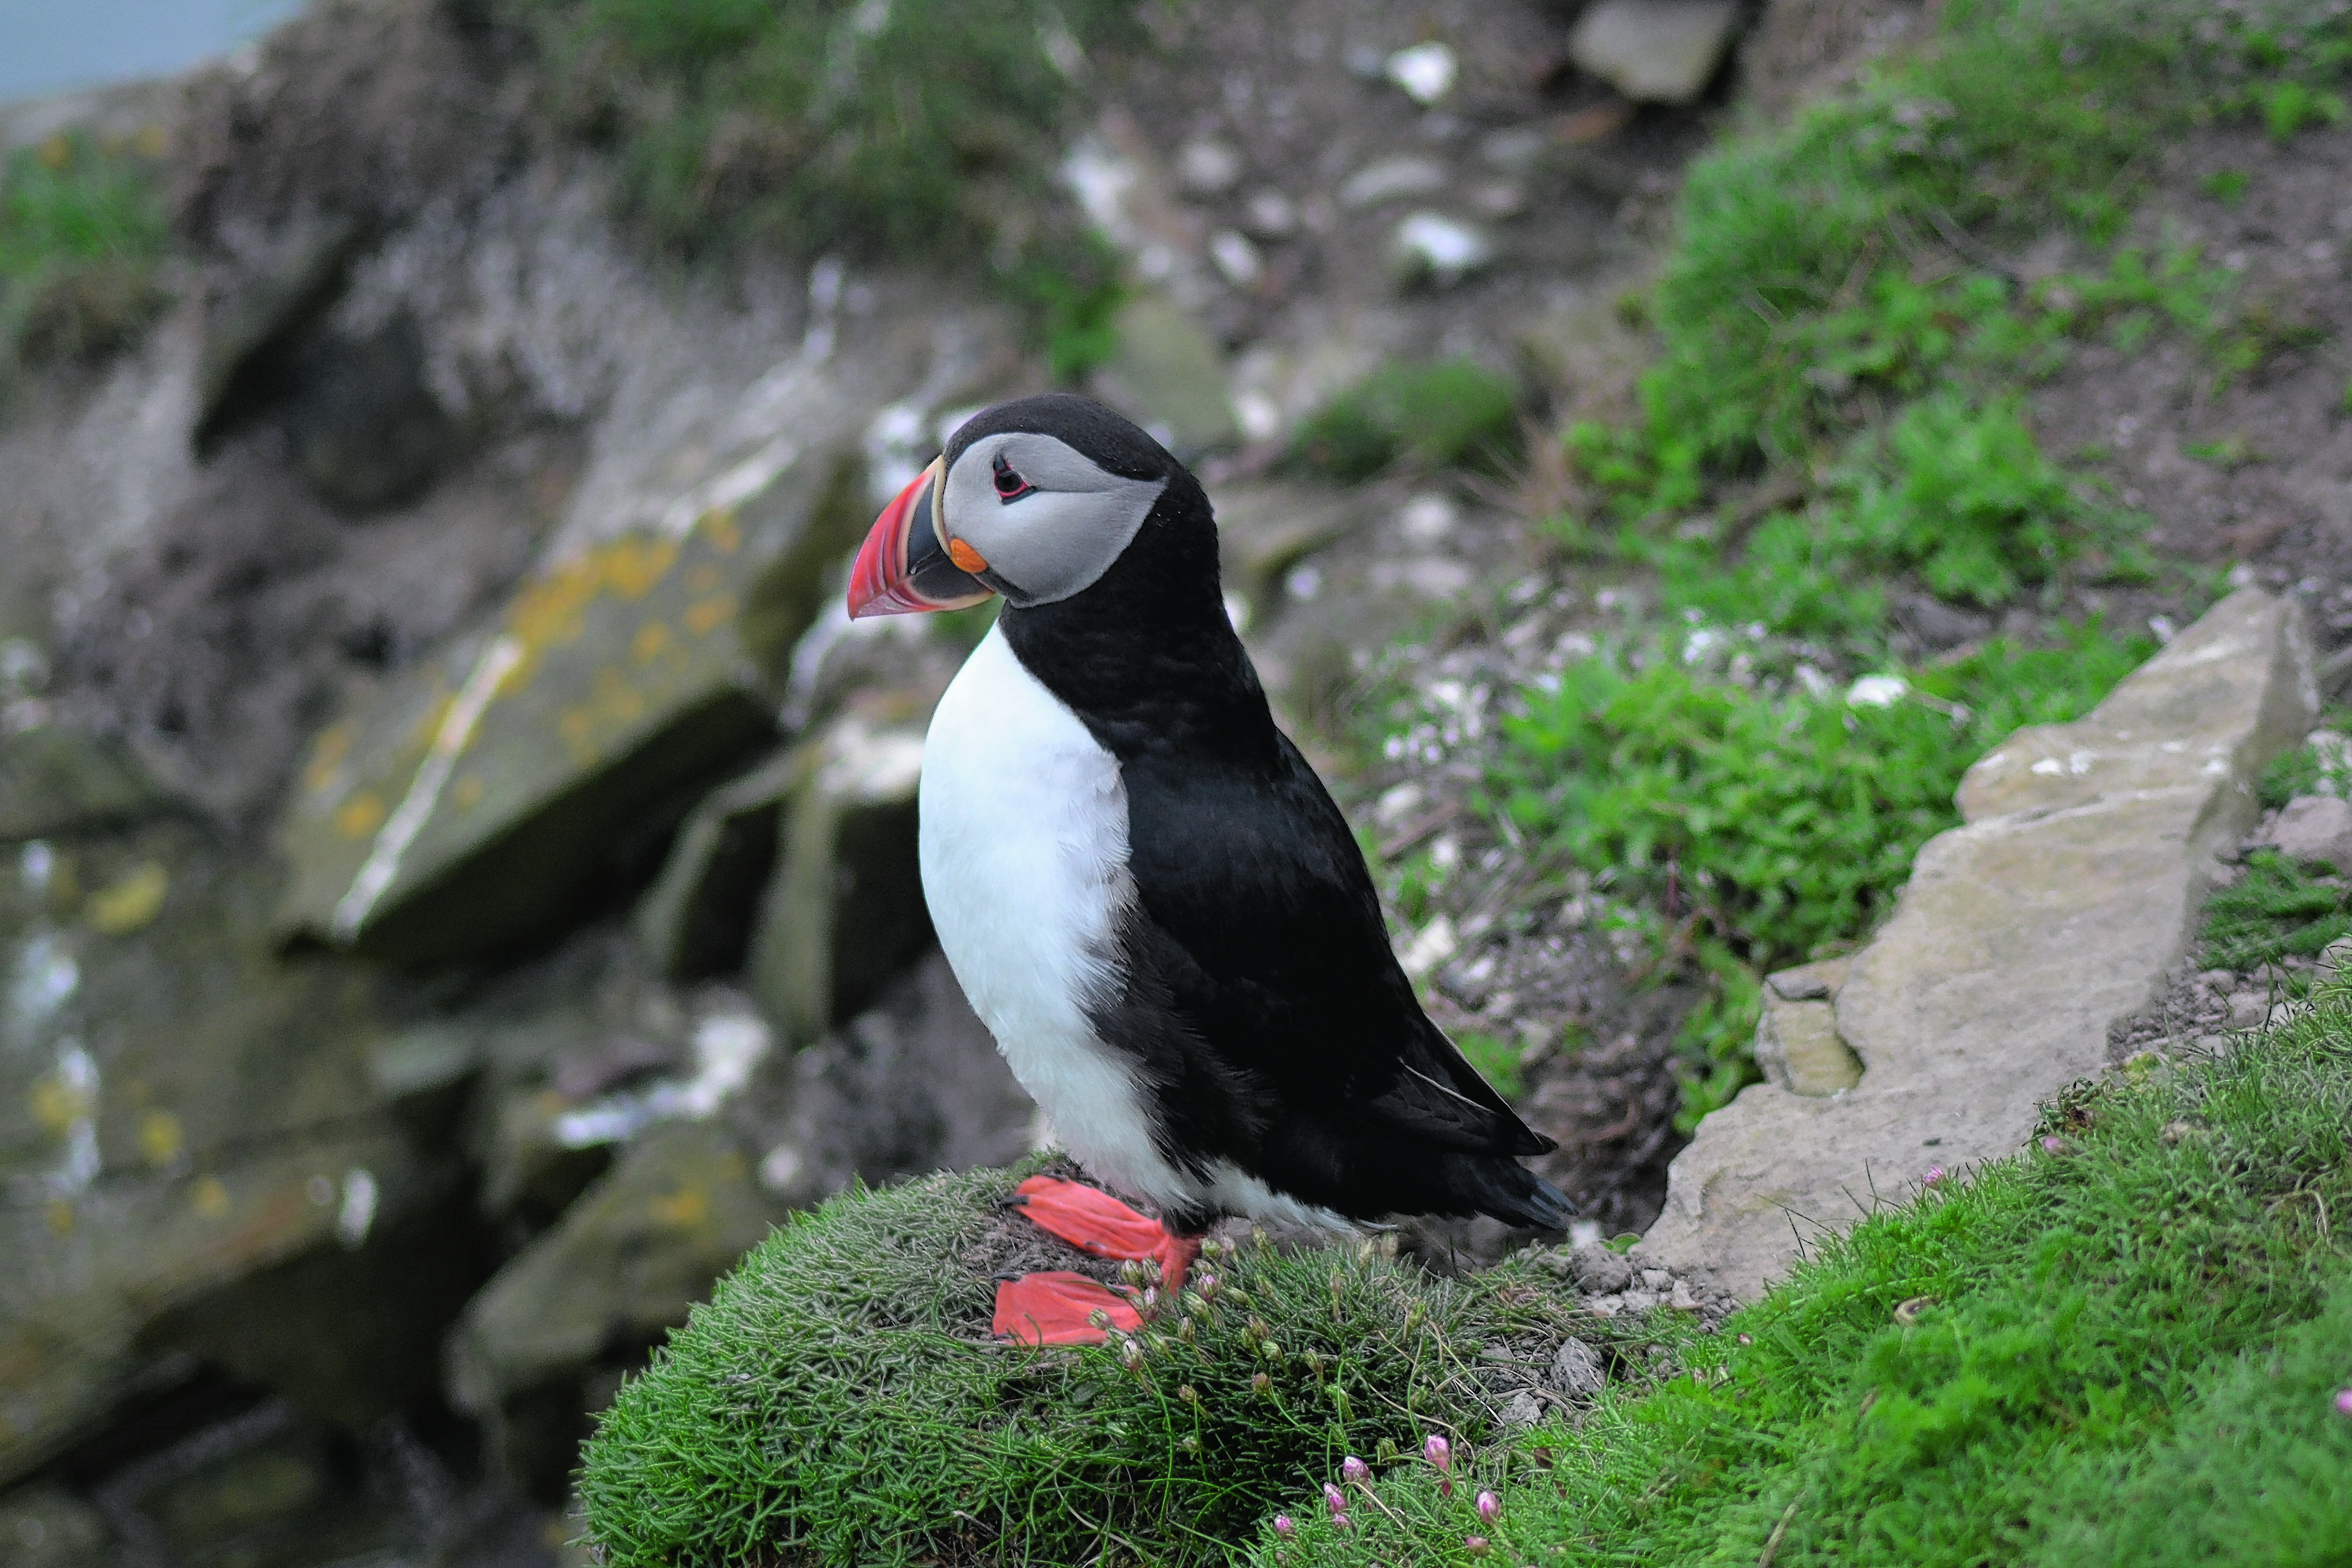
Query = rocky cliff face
x=458 y=887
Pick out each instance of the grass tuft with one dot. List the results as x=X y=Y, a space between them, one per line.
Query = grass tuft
x=82 y=235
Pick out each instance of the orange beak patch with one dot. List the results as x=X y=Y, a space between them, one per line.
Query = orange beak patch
x=967 y=558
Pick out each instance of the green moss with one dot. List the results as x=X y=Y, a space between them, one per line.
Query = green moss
x=82 y=235
x=840 y=1397
x=1454 y=414
x=2125 y=1350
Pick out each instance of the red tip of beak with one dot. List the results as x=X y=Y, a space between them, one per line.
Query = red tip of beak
x=878 y=580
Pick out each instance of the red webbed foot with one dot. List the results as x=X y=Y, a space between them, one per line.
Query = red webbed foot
x=1054 y=1307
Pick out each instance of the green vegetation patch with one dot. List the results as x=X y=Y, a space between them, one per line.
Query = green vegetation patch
x=2278 y=909
x=83 y=234
x=840 y=1397
x=1773 y=823
x=922 y=129
x=2125 y=1345
x=1451 y=413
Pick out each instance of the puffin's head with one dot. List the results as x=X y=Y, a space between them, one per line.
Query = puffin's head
x=1032 y=500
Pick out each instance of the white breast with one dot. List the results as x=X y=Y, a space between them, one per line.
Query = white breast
x=1024 y=867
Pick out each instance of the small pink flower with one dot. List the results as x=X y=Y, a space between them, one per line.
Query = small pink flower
x=1285 y=1526
x=1440 y=1453
x=1476 y=1545
x=1934 y=1174
x=2053 y=1144
x=2344 y=1400
x=1354 y=1472
x=1336 y=1501
x=1490 y=1507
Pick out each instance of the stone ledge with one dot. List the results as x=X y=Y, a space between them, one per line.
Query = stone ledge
x=2085 y=852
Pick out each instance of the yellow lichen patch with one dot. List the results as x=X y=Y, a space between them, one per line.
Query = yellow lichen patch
x=617 y=702
x=360 y=816
x=702 y=580
x=633 y=566
x=209 y=1199
x=465 y=791
x=573 y=727
x=60 y=1101
x=717 y=525
x=647 y=644
x=683 y=1210
x=705 y=616
x=327 y=754
x=551 y=610
x=160 y=1138
x=62 y=1215
x=153 y=142
x=133 y=900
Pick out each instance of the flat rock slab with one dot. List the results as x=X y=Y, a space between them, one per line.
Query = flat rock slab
x=474 y=805
x=2086 y=852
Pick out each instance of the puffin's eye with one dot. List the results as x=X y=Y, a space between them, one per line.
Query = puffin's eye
x=1010 y=485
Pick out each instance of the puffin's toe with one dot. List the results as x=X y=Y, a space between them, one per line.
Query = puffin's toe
x=1055 y=1306
x=1093 y=1220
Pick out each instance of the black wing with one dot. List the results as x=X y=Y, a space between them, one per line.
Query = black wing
x=1261 y=979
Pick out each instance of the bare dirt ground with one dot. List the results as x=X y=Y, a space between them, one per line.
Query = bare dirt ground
x=2254 y=468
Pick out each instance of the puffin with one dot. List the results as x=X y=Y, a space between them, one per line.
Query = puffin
x=1149 y=897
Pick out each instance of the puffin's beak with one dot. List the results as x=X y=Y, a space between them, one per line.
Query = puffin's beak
x=903 y=568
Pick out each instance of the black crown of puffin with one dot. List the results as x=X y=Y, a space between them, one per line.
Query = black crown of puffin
x=1013 y=507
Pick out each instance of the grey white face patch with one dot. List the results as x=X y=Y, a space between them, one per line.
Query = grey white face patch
x=1047 y=521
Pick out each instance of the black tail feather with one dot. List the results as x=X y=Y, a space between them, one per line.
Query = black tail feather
x=1515 y=1195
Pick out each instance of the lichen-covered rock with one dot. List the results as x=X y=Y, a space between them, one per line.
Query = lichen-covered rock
x=846 y=907
x=479 y=801
x=622 y=1265
x=102 y=1284
x=195 y=1156
x=47 y=1526
x=55 y=780
x=696 y=920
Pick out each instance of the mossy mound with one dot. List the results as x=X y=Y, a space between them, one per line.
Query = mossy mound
x=840 y=1399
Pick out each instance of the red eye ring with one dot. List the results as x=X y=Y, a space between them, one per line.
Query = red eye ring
x=1010 y=485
